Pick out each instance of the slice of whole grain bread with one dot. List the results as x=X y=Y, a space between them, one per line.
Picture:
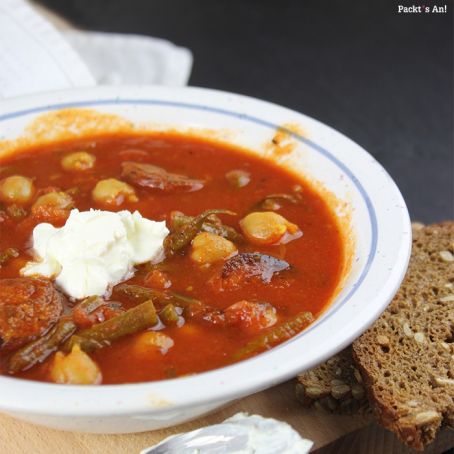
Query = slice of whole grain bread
x=406 y=358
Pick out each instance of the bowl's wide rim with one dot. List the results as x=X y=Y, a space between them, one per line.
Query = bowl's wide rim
x=211 y=386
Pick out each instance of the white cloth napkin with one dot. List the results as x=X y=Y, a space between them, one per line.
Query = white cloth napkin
x=36 y=57
x=115 y=58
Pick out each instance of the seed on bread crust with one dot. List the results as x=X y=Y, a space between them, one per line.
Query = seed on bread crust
x=419 y=337
x=336 y=382
x=383 y=340
x=357 y=375
x=446 y=256
x=314 y=392
x=335 y=386
x=407 y=330
x=426 y=417
x=357 y=391
x=441 y=381
x=447 y=299
x=340 y=391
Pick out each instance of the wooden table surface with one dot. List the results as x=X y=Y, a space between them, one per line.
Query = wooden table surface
x=331 y=434
x=17 y=437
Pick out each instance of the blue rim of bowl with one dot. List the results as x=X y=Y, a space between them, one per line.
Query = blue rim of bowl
x=261 y=122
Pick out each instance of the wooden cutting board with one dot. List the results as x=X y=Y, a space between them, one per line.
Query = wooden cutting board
x=330 y=433
x=17 y=437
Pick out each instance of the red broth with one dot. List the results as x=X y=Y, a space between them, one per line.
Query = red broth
x=200 y=343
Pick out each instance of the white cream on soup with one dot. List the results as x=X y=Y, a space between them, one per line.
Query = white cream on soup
x=95 y=250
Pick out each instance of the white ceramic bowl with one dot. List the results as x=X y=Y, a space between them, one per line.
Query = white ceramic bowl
x=379 y=221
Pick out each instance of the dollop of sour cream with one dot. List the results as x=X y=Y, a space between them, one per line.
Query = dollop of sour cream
x=240 y=434
x=95 y=250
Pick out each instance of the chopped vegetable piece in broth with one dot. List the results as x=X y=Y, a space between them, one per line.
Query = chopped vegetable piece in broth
x=169 y=315
x=251 y=316
x=244 y=267
x=160 y=298
x=75 y=368
x=8 y=253
x=183 y=235
x=274 y=201
x=275 y=335
x=211 y=225
x=132 y=321
x=154 y=177
x=238 y=178
x=40 y=349
x=94 y=310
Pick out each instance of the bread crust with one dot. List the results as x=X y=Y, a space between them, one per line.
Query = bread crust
x=406 y=358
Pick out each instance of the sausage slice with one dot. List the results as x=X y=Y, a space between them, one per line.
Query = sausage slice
x=28 y=309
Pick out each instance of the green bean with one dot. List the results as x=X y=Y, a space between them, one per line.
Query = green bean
x=182 y=236
x=40 y=349
x=222 y=230
x=137 y=291
x=159 y=297
x=275 y=335
x=169 y=315
x=85 y=311
x=133 y=320
x=212 y=225
x=7 y=254
x=193 y=308
x=178 y=220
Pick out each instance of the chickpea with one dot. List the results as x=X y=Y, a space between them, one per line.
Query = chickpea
x=266 y=227
x=78 y=161
x=211 y=248
x=152 y=342
x=75 y=368
x=113 y=192
x=16 y=189
x=55 y=199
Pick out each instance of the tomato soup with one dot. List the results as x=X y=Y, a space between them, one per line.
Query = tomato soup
x=252 y=256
